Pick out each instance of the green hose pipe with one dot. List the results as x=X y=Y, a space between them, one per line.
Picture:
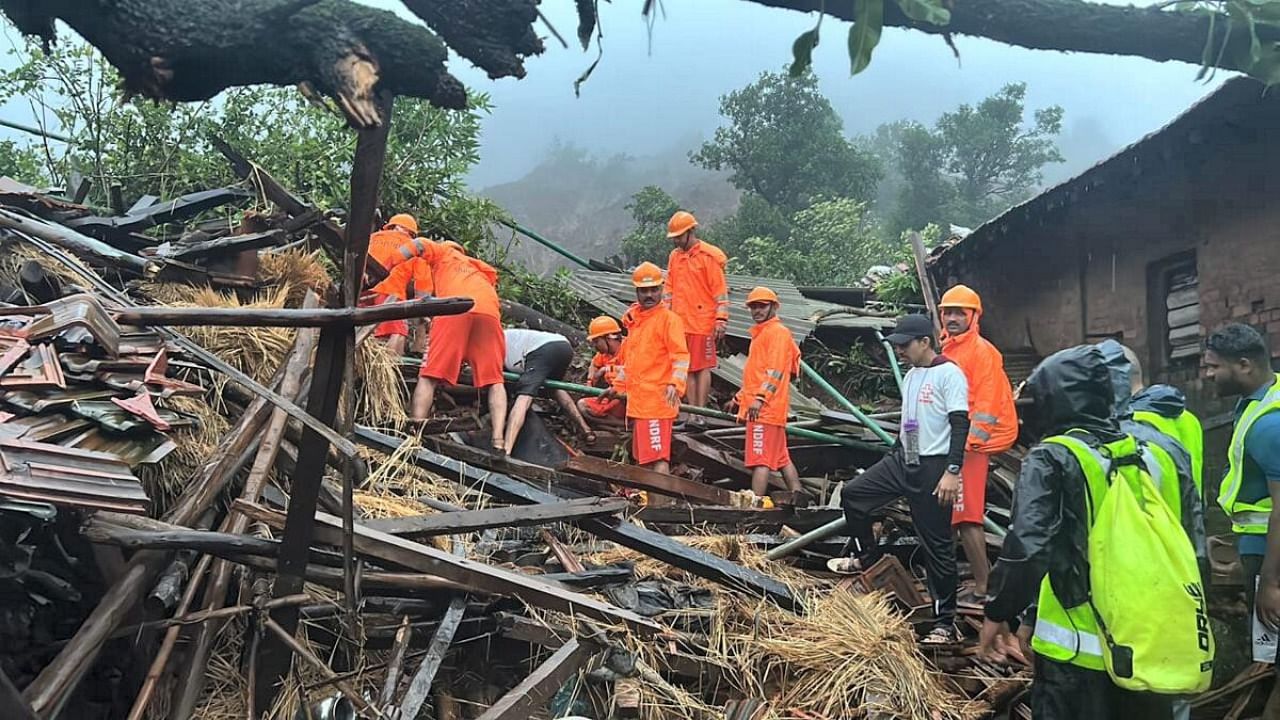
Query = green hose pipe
x=870 y=424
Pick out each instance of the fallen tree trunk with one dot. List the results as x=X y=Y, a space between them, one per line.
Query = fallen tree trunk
x=288 y=317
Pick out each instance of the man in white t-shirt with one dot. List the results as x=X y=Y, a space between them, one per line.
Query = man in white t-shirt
x=923 y=468
x=538 y=356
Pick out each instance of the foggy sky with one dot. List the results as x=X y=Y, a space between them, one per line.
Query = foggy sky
x=640 y=102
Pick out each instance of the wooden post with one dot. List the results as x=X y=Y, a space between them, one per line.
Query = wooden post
x=532 y=692
x=332 y=370
x=926 y=285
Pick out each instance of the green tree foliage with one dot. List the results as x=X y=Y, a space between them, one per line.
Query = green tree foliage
x=785 y=143
x=162 y=150
x=650 y=208
x=831 y=242
x=975 y=161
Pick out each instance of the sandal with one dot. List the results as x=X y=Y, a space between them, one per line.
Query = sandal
x=941 y=636
x=590 y=437
x=845 y=565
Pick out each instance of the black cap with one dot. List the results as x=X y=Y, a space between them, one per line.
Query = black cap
x=909 y=328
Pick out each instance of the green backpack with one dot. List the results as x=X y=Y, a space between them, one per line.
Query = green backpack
x=1145 y=587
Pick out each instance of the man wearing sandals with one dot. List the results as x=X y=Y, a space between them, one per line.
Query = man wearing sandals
x=923 y=468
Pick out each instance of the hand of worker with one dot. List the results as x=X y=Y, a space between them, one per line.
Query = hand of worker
x=997 y=643
x=609 y=394
x=721 y=328
x=753 y=411
x=673 y=396
x=948 y=489
x=1268 y=605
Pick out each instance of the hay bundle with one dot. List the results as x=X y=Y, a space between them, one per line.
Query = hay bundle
x=297 y=270
x=166 y=480
x=255 y=351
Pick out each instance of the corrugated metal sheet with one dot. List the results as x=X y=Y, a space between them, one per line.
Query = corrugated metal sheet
x=63 y=476
x=612 y=293
x=730 y=370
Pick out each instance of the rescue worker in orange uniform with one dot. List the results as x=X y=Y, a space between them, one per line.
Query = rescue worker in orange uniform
x=654 y=372
x=400 y=229
x=765 y=398
x=993 y=420
x=698 y=292
x=605 y=334
x=475 y=336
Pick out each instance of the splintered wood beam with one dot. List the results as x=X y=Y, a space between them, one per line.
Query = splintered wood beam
x=533 y=692
x=292 y=317
x=424 y=558
x=633 y=476
x=420 y=685
x=457 y=523
x=627 y=534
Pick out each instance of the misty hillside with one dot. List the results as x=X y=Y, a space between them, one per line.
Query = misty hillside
x=579 y=200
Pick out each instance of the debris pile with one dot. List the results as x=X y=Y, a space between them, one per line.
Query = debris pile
x=175 y=545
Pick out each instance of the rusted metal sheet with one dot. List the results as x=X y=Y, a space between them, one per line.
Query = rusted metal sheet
x=34 y=402
x=77 y=311
x=69 y=477
x=113 y=417
x=43 y=428
x=145 y=449
x=38 y=368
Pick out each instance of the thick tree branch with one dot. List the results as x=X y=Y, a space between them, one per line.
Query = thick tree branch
x=1067 y=25
x=496 y=35
x=182 y=50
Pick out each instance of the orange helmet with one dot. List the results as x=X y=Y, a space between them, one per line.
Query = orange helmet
x=681 y=223
x=646 y=275
x=961 y=296
x=454 y=245
x=406 y=221
x=601 y=326
x=762 y=295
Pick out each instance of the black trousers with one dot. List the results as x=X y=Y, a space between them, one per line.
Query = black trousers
x=887 y=481
x=1067 y=692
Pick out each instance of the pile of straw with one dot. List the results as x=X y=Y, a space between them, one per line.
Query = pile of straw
x=297 y=270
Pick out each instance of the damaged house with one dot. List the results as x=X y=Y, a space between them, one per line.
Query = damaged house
x=1156 y=247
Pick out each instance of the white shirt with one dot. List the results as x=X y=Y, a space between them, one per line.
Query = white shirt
x=929 y=394
x=521 y=342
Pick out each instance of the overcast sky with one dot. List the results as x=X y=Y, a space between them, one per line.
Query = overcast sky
x=654 y=90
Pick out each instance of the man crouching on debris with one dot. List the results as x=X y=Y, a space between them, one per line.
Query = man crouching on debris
x=765 y=397
x=654 y=370
x=605 y=335
x=923 y=467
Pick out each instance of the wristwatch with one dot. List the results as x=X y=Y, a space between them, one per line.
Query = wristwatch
x=953 y=469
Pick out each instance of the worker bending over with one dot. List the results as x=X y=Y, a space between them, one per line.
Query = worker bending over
x=475 y=336
x=923 y=467
x=537 y=356
x=697 y=292
x=1237 y=362
x=605 y=335
x=993 y=421
x=654 y=372
x=383 y=248
x=1066 y=535
x=765 y=397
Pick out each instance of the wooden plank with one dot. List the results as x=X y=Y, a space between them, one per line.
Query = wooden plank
x=1184 y=316
x=420 y=686
x=457 y=523
x=627 y=534
x=532 y=692
x=1183 y=298
x=423 y=558
x=739 y=519
x=921 y=256
x=640 y=478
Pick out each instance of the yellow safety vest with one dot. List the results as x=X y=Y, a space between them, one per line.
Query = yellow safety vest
x=1070 y=635
x=1246 y=518
x=1187 y=431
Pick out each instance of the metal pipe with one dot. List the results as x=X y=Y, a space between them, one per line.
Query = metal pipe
x=707 y=412
x=870 y=424
x=37 y=131
x=531 y=235
x=893 y=359
x=788 y=548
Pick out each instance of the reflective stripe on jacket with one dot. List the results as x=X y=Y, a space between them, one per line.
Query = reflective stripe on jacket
x=772 y=361
x=1246 y=518
x=1070 y=635
x=455 y=274
x=696 y=288
x=993 y=419
x=653 y=356
x=1187 y=431
x=408 y=279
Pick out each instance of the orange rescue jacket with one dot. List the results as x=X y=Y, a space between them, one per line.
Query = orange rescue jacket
x=384 y=244
x=408 y=279
x=604 y=368
x=653 y=356
x=993 y=419
x=696 y=288
x=772 y=361
x=454 y=274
